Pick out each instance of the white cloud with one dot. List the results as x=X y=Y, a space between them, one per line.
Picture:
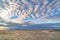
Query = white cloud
x=4 y=14
x=36 y=7
x=42 y=21
x=37 y=15
x=35 y=0
x=45 y=2
x=25 y=14
x=25 y=2
x=59 y=9
x=50 y=8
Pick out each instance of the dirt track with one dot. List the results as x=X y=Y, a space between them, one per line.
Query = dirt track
x=29 y=35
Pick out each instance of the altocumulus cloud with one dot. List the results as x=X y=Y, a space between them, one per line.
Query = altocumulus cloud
x=24 y=10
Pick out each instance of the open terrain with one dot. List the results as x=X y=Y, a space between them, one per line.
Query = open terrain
x=29 y=35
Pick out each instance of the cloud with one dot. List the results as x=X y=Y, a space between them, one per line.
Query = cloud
x=42 y=21
x=4 y=14
x=45 y=2
x=36 y=7
x=37 y=15
x=3 y=28
x=35 y=0
x=59 y=9
x=22 y=14
x=25 y=2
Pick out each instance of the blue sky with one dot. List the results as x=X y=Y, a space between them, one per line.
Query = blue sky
x=26 y=14
x=18 y=10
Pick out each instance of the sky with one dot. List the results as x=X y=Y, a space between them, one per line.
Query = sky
x=32 y=11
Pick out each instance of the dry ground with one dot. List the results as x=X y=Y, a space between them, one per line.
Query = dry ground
x=29 y=35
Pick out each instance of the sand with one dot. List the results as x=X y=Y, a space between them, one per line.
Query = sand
x=29 y=35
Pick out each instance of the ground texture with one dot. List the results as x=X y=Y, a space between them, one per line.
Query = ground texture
x=29 y=35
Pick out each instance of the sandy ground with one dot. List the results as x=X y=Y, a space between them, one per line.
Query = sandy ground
x=29 y=35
